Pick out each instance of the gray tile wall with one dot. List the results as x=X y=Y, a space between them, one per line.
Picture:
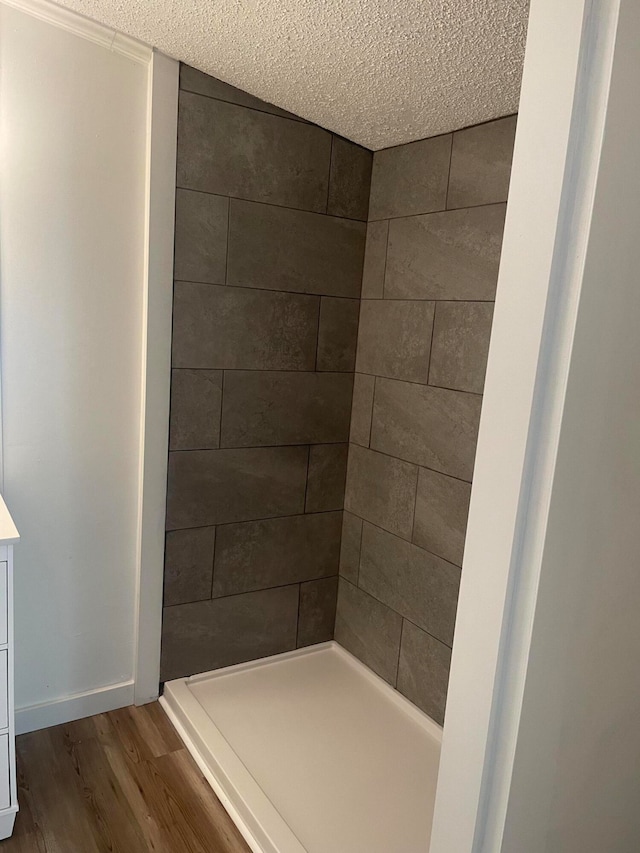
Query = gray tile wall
x=326 y=386
x=270 y=237
x=431 y=264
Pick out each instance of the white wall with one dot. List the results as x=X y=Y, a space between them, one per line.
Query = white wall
x=542 y=735
x=72 y=237
x=576 y=784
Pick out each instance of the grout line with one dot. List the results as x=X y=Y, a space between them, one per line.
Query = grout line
x=345 y=218
x=447 y=132
x=219 y=447
x=382 y=603
x=415 y=504
x=298 y=616
x=259 y=447
x=292 y=117
x=409 y=382
x=306 y=481
x=359 y=552
x=257 y=589
x=302 y=371
x=412 y=299
x=408 y=462
x=373 y=405
x=213 y=561
x=438 y=210
x=254 y=288
x=311 y=295
x=395 y=682
x=386 y=255
x=226 y=254
x=433 y=333
x=446 y=196
x=255 y=520
x=282 y=206
x=327 y=443
x=406 y=541
x=316 y=369
x=335 y=609
x=326 y=209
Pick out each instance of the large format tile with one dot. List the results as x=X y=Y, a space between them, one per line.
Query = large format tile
x=317 y=615
x=261 y=408
x=196 y=398
x=201 y=237
x=416 y=584
x=433 y=427
x=192 y=80
x=449 y=255
x=442 y=508
x=461 y=335
x=238 y=328
x=381 y=489
x=369 y=630
x=394 y=339
x=350 y=547
x=188 y=565
x=229 y=150
x=362 y=408
x=375 y=259
x=281 y=249
x=337 y=333
x=207 y=635
x=327 y=477
x=410 y=178
x=218 y=486
x=423 y=673
x=481 y=163
x=278 y=551
x=350 y=179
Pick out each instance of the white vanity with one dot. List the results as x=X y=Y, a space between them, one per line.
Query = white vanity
x=8 y=787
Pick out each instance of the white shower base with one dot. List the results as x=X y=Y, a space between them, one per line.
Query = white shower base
x=311 y=752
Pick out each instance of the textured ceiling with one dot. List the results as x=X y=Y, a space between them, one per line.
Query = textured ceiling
x=380 y=72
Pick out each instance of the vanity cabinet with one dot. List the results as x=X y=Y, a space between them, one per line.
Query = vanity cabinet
x=8 y=787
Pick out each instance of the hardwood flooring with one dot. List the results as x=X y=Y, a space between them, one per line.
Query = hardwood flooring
x=120 y=782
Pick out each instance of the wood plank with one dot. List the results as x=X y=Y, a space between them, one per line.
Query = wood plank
x=112 y=821
x=56 y=802
x=158 y=741
x=156 y=838
x=187 y=775
x=121 y=782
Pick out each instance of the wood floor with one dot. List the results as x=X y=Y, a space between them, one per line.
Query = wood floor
x=120 y=782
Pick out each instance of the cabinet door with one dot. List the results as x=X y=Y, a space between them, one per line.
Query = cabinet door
x=5 y=792
x=4 y=689
x=3 y=603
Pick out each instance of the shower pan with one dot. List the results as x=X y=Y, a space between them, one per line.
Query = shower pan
x=310 y=752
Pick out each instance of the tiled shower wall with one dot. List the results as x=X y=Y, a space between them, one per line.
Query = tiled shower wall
x=434 y=236
x=270 y=237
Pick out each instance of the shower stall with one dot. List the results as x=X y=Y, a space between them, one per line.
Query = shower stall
x=331 y=325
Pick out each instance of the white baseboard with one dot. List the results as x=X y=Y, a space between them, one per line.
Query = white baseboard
x=74 y=707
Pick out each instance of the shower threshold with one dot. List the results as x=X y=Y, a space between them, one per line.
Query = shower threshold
x=311 y=752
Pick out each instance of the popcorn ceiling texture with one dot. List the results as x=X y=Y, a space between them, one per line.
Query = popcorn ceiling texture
x=380 y=72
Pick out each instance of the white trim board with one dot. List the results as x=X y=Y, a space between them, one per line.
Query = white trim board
x=162 y=137
x=98 y=701
x=84 y=27
x=559 y=135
